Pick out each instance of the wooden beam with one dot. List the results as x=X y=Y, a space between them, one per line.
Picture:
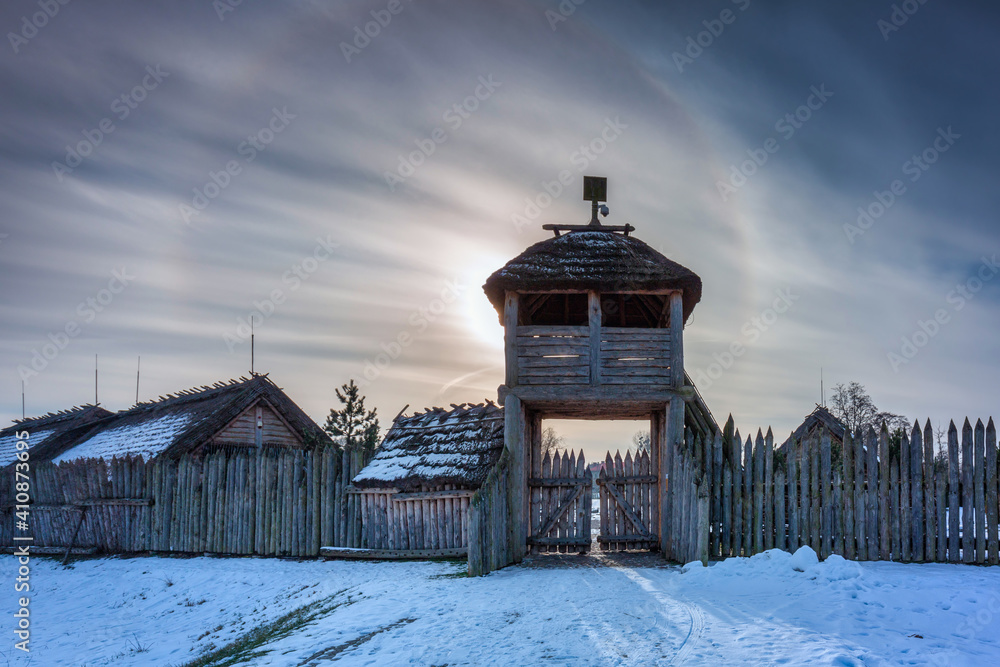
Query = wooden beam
x=514 y=442
x=433 y=495
x=609 y=229
x=628 y=511
x=677 y=339
x=566 y=504
x=390 y=554
x=510 y=337
x=559 y=481
x=594 y=317
x=573 y=541
x=634 y=479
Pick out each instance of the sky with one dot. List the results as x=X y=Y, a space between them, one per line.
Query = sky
x=347 y=174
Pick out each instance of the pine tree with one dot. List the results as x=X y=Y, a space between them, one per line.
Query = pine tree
x=357 y=426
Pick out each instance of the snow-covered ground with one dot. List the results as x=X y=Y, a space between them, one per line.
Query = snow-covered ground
x=762 y=610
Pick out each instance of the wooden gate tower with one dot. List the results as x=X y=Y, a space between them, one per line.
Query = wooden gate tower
x=593 y=322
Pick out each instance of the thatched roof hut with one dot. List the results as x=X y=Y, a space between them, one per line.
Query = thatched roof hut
x=437 y=447
x=246 y=412
x=50 y=433
x=592 y=260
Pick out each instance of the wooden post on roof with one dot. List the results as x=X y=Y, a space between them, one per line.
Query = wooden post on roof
x=676 y=340
x=510 y=337
x=514 y=427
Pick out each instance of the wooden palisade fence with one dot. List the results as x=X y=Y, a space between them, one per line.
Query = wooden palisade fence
x=685 y=519
x=876 y=497
x=431 y=521
x=243 y=501
x=491 y=536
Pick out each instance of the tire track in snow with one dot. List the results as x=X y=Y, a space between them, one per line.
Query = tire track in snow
x=694 y=611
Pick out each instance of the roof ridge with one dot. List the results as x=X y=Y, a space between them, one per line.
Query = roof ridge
x=68 y=412
x=199 y=392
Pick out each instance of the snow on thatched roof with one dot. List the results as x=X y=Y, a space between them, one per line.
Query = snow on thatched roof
x=820 y=417
x=592 y=260
x=438 y=446
x=181 y=422
x=47 y=430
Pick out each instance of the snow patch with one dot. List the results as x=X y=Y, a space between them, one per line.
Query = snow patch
x=8 y=445
x=803 y=559
x=147 y=439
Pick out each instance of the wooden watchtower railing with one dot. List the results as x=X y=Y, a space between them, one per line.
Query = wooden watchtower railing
x=562 y=355
x=593 y=355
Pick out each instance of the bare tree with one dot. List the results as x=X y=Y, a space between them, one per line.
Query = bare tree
x=551 y=441
x=855 y=408
x=640 y=442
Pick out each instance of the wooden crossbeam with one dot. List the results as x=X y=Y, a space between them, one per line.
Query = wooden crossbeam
x=559 y=481
x=627 y=510
x=625 y=538
x=635 y=479
x=549 y=541
x=433 y=495
x=563 y=508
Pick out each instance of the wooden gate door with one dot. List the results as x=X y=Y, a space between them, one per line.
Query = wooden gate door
x=560 y=505
x=628 y=501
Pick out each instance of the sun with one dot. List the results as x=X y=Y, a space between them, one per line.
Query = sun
x=481 y=319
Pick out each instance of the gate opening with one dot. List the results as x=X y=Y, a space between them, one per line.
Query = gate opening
x=592 y=487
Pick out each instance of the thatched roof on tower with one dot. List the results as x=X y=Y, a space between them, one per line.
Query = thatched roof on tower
x=457 y=446
x=592 y=260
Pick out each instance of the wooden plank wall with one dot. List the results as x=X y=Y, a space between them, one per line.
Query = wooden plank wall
x=553 y=355
x=874 y=497
x=247 y=501
x=489 y=529
x=430 y=518
x=635 y=356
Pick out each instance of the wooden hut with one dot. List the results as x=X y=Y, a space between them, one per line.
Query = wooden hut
x=817 y=422
x=248 y=412
x=415 y=491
